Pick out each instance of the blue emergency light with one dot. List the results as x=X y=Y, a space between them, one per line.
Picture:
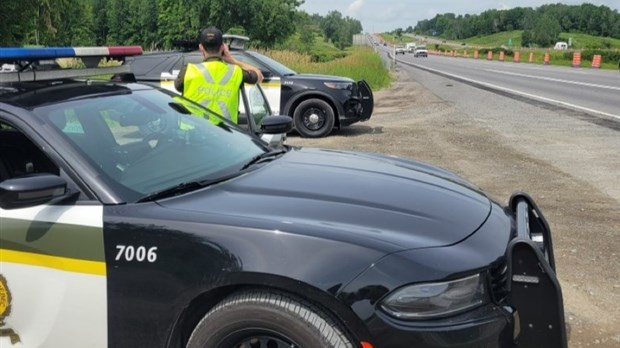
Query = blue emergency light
x=18 y=53
x=25 y=61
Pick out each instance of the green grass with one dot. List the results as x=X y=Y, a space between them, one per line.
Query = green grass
x=583 y=41
x=579 y=41
x=393 y=39
x=496 y=40
x=361 y=63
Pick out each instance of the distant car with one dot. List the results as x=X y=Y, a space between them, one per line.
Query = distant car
x=317 y=103
x=400 y=50
x=410 y=47
x=420 y=51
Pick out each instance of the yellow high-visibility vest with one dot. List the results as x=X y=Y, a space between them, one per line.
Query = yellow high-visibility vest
x=215 y=85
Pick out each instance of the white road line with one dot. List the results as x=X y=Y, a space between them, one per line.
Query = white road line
x=533 y=96
x=555 y=80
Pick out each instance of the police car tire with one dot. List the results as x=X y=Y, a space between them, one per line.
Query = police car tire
x=306 y=105
x=261 y=312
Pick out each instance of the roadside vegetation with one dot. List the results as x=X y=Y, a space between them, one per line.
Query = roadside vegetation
x=307 y=43
x=360 y=63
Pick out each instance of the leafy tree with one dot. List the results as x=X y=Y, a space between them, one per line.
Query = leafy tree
x=586 y=18
x=527 y=39
x=330 y=24
x=546 y=31
x=272 y=21
x=16 y=21
x=100 y=22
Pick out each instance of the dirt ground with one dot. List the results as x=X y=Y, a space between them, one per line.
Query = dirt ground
x=584 y=218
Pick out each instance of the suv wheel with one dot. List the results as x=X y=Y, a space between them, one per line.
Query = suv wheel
x=265 y=319
x=314 y=118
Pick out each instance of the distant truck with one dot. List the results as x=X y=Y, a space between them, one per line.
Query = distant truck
x=560 y=45
x=410 y=47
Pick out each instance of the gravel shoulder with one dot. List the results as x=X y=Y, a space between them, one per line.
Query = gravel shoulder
x=570 y=166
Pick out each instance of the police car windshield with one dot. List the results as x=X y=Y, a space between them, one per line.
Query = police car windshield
x=147 y=141
x=276 y=66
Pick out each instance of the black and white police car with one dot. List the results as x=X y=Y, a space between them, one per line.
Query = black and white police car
x=131 y=217
x=317 y=103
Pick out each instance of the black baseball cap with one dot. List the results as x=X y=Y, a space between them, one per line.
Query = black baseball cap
x=211 y=37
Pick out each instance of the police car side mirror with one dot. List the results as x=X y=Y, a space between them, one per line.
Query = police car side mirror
x=31 y=190
x=276 y=124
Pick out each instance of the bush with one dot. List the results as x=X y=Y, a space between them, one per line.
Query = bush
x=496 y=50
x=588 y=54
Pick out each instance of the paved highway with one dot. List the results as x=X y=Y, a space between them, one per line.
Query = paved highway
x=593 y=91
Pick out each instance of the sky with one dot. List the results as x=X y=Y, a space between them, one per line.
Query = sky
x=379 y=16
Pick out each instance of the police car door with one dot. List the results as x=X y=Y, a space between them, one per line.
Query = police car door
x=52 y=262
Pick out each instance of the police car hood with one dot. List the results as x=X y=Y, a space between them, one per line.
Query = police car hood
x=317 y=77
x=357 y=197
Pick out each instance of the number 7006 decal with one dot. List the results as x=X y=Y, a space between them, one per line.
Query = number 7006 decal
x=136 y=253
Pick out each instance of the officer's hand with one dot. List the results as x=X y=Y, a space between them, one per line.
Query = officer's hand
x=259 y=75
x=226 y=56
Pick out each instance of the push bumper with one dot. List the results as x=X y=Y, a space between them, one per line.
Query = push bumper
x=359 y=106
x=533 y=288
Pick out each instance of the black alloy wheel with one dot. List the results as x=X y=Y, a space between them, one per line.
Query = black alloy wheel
x=314 y=118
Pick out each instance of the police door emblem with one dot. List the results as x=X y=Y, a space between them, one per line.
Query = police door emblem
x=5 y=311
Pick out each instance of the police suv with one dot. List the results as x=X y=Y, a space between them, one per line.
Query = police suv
x=132 y=217
x=317 y=103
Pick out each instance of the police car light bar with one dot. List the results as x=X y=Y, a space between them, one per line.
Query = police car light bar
x=13 y=54
x=89 y=55
x=236 y=41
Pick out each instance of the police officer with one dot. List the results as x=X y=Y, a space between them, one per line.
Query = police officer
x=215 y=82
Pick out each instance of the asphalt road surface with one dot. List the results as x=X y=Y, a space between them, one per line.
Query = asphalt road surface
x=594 y=91
x=567 y=159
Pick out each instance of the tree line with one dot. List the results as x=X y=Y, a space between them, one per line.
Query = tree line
x=158 y=24
x=541 y=26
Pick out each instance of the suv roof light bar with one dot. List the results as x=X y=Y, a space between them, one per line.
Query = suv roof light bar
x=91 y=56
x=235 y=41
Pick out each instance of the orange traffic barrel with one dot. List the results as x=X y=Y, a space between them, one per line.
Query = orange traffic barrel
x=546 y=60
x=596 y=61
x=502 y=56
x=531 y=59
x=517 y=57
x=465 y=54
x=476 y=54
x=490 y=55
x=576 y=59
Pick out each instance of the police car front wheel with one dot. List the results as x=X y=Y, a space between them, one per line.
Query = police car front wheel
x=265 y=319
x=314 y=118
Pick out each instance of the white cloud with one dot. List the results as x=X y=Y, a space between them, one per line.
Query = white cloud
x=355 y=7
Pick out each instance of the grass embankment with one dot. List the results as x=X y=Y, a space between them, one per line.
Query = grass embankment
x=361 y=63
x=578 y=41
